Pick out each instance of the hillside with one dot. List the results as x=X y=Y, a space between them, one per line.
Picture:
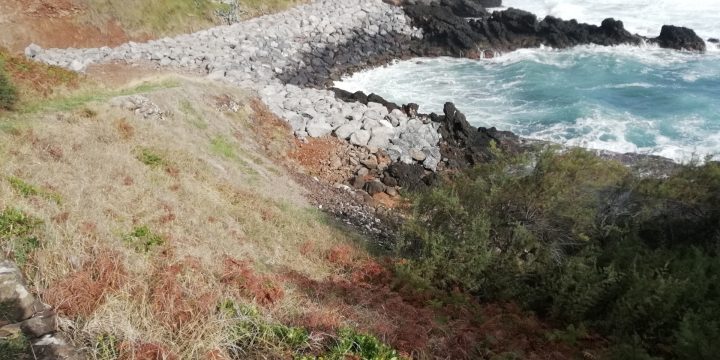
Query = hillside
x=207 y=196
x=95 y=23
x=162 y=217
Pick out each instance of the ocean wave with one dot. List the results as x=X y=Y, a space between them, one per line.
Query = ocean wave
x=623 y=98
x=644 y=17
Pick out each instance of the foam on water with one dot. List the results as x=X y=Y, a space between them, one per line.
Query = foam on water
x=644 y=17
x=626 y=99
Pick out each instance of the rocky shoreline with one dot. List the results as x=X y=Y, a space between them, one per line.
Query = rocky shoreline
x=291 y=59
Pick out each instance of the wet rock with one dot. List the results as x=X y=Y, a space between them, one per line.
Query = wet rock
x=374 y=98
x=411 y=109
x=449 y=34
x=465 y=8
x=680 y=38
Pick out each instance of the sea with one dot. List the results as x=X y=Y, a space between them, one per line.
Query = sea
x=623 y=98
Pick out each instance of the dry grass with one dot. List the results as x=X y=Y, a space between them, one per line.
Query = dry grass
x=170 y=17
x=162 y=228
x=208 y=208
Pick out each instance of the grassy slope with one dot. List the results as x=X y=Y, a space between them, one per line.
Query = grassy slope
x=169 y=17
x=209 y=196
x=182 y=236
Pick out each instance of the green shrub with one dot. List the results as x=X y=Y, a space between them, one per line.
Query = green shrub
x=8 y=93
x=143 y=239
x=581 y=240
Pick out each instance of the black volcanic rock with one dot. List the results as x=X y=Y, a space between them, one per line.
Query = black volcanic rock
x=489 y=3
x=444 y=32
x=713 y=40
x=464 y=145
x=679 y=38
x=411 y=177
x=465 y=8
x=390 y=106
x=449 y=34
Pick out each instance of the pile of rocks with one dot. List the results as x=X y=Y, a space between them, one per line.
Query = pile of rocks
x=283 y=56
x=22 y=315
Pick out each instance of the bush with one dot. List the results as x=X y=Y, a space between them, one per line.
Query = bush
x=143 y=239
x=8 y=93
x=581 y=240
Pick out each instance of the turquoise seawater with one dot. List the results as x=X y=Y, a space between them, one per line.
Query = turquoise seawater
x=625 y=99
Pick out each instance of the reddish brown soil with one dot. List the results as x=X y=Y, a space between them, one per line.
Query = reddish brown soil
x=53 y=24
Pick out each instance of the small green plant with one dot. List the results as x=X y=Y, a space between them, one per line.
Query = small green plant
x=252 y=332
x=17 y=234
x=150 y=158
x=106 y=347
x=220 y=146
x=22 y=187
x=15 y=348
x=27 y=190
x=143 y=239
x=8 y=93
x=354 y=344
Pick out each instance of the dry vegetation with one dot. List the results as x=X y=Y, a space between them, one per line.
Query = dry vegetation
x=96 y=23
x=209 y=207
x=182 y=236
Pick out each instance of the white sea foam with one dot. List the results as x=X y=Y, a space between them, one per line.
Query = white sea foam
x=644 y=17
x=622 y=98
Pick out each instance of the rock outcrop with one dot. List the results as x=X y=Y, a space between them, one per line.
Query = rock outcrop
x=446 y=33
x=680 y=38
x=21 y=314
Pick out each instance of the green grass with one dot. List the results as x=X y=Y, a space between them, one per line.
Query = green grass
x=27 y=190
x=170 y=17
x=15 y=348
x=192 y=115
x=151 y=158
x=143 y=239
x=8 y=92
x=106 y=347
x=17 y=234
x=220 y=146
x=77 y=100
x=157 y=17
x=252 y=333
